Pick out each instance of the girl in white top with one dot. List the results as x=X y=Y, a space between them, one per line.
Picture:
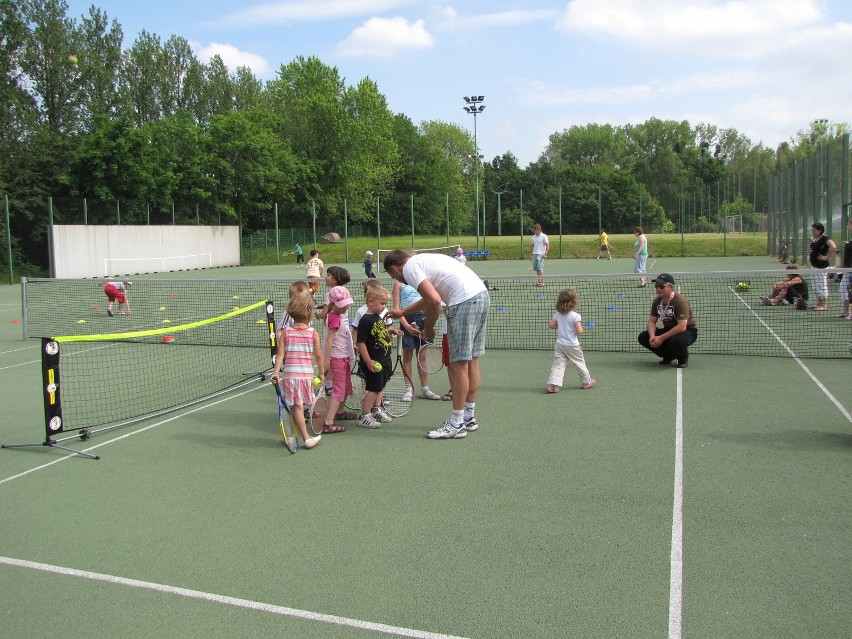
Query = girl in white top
x=569 y=325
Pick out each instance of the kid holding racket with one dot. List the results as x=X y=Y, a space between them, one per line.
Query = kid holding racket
x=299 y=343
x=567 y=321
x=374 y=346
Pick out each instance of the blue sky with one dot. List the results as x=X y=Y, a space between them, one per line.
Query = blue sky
x=764 y=67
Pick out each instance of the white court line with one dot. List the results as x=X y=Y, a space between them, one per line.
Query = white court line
x=25 y=348
x=676 y=568
x=792 y=353
x=135 y=432
x=228 y=601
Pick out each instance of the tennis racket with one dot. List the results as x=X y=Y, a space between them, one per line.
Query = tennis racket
x=399 y=391
x=319 y=409
x=354 y=401
x=285 y=422
x=430 y=357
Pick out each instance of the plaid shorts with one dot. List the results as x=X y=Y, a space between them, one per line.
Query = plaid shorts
x=466 y=327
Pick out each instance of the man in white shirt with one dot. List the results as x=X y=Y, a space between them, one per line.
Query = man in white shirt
x=540 y=247
x=440 y=278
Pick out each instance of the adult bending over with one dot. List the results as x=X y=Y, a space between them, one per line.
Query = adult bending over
x=439 y=278
x=678 y=331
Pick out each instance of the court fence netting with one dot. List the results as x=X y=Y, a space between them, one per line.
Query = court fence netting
x=123 y=367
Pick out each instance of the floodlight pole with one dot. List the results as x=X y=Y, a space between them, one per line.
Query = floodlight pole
x=474 y=107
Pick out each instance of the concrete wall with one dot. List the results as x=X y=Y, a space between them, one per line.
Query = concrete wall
x=81 y=251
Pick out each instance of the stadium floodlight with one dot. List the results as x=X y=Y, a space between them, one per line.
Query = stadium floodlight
x=474 y=108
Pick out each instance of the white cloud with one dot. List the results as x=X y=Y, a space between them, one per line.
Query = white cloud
x=712 y=27
x=290 y=11
x=232 y=57
x=385 y=37
x=446 y=17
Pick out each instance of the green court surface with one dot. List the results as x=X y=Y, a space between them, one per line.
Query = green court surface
x=706 y=502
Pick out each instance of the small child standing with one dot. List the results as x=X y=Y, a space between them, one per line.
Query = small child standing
x=339 y=354
x=299 y=342
x=374 y=346
x=368 y=264
x=567 y=321
x=313 y=270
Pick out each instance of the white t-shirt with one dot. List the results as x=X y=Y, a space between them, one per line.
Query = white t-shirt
x=539 y=244
x=566 y=327
x=361 y=312
x=455 y=282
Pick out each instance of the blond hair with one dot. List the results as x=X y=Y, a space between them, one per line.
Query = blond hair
x=301 y=308
x=299 y=288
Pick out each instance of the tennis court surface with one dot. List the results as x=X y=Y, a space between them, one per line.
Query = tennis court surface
x=706 y=502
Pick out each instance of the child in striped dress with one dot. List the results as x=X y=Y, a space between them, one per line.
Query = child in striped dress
x=296 y=350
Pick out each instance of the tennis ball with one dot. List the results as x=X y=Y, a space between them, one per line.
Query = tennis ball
x=317 y=381
x=377 y=367
x=72 y=59
x=742 y=287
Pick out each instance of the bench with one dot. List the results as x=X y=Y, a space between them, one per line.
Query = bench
x=481 y=255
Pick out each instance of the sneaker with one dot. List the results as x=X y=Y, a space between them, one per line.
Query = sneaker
x=552 y=388
x=682 y=363
x=109 y=313
x=470 y=425
x=590 y=384
x=767 y=301
x=380 y=414
x=310 y=442
x=447 y=431
x=409 y=395
x=368 y=421
x=428 y=394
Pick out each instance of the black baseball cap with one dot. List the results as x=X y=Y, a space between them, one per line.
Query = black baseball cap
x=663 y=279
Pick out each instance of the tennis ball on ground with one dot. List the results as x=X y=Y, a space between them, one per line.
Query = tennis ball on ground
x=317 y=381
x=742 y=287
x=377 y=367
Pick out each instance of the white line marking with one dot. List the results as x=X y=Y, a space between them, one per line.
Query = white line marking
x=228 y=601
x=124 y=436
x=35 y=361
x=792 y=353
x=25 y=348
x=676 y=574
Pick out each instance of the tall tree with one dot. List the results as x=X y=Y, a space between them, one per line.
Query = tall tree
x=99 y=64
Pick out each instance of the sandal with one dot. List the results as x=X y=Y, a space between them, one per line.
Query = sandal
x=346 y=416
x=448 y=396
x=332 y=428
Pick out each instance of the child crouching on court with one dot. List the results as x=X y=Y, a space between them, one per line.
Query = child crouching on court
x=374 y=346
x=299 y=343
x=567 y=321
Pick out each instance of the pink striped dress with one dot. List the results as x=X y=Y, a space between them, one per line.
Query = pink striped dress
x=298 y=370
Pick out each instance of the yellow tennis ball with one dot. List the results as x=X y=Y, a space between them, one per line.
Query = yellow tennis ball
x=317 y=381
x=377 y=367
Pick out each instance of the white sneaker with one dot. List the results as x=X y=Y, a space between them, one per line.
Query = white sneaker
x=447 y=431
x=470 y=425
x=310 y=442
x=408 y=396
x=382 y=415
x=425 y=393
x=368 y=421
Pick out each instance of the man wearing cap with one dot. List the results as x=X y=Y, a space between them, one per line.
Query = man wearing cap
x=368 y=264
x=678 y=326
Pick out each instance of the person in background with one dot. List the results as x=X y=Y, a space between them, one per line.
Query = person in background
x=846 y=281
x=791 y=290
x=640 y=255
x=604 y=247
x=314 y=269
x=368 y=264
x=538 y=252
x=117 y=292
x=300 y=255
x=671 y=309
x=821 y=257
x=460 y=256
